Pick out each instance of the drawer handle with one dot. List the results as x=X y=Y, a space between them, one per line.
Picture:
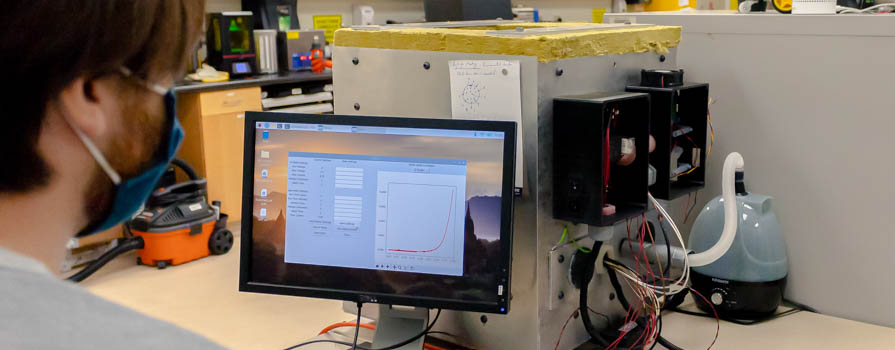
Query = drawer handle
x=232 y=103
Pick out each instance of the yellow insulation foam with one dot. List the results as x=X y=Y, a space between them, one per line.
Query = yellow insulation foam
x=546 y=47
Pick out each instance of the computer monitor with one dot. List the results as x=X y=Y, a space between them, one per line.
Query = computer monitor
x=397 y=211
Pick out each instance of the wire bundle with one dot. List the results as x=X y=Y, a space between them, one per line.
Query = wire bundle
x=881 y=8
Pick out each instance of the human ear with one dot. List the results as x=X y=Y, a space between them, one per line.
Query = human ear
x=86 y=107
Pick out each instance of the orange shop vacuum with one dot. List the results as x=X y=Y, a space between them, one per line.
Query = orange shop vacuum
x=177 y=226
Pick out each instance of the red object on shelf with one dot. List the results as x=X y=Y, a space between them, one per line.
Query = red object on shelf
x=318 y=62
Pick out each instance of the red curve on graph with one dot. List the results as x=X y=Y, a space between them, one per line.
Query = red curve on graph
x=443 y=235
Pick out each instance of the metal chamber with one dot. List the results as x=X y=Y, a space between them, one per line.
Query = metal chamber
x=386 y=82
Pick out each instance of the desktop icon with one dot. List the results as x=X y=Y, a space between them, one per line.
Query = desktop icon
x=267 y=125
x=263 y=192
x=262 y=213
x=263 y=173
x=265 y=134
x=279 y=126
x=286 y=126
x=265 y=154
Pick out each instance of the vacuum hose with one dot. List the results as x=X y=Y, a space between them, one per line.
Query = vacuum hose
x=125 y=245
x=733 y=164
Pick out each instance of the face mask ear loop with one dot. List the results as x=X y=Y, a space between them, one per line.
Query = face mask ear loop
x=97 y=155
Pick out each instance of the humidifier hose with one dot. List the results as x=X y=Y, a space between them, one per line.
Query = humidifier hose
x=732 y=165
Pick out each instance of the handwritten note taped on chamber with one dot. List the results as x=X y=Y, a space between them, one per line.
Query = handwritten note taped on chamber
x=489 y=90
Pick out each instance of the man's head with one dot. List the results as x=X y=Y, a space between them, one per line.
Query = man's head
x=64 y=61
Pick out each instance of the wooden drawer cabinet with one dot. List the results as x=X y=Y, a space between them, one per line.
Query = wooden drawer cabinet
x=214 y=123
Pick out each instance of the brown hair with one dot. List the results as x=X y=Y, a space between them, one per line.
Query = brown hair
x=46 y=44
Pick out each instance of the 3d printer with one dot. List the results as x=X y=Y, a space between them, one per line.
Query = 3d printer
x=231 y=47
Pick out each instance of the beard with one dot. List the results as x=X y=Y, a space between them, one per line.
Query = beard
x=130 y=153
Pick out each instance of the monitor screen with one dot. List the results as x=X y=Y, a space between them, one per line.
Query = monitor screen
x=378 y=209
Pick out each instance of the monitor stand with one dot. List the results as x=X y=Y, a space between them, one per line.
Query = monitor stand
x=399 y=323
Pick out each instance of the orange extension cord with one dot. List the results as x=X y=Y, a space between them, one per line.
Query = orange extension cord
x=367 y=326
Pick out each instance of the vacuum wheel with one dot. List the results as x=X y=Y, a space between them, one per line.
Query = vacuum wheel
x=782 y=6
x=220 y=241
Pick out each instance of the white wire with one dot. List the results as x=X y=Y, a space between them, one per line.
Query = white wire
x=843 y=9
x=643 y=294
x=681 y=283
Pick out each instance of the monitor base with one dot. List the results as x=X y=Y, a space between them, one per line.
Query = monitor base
x=399 y=323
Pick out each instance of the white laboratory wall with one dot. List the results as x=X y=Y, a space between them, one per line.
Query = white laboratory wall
x=412 y=10
x=807 y=100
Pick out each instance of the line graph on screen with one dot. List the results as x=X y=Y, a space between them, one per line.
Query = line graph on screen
x=421 y=219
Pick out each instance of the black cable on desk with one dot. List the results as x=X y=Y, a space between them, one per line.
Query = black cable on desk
x=357 y=326
x=390 y=347
x=791 y=311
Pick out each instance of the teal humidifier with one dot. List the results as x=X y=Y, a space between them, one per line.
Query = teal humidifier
x=747 y=281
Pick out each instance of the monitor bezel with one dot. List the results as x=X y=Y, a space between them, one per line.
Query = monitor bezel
x=502 y=306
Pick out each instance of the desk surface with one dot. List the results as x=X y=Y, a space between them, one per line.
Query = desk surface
x=260 y=80
x=202 y=296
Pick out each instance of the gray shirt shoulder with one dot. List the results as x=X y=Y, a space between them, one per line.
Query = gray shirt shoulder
x=39 y=311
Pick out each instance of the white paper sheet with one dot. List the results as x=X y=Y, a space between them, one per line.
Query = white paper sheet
x=489 y=90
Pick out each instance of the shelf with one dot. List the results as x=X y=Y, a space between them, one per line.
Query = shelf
x=260 y=80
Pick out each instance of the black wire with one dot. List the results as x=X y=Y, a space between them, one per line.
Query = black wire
x=613 y=279
x=187 y=169
x=695 y=198
x=795 y=309
x=659 y=332
x=583 y=310
x=801 y=306
x=667 y=250
x=445 y=333
x=390 y=347
x=357 y=326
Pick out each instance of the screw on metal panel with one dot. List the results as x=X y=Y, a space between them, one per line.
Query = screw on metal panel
x=562 y=258
x=426 y=65
x=484 y=319
x=559 y=72
x=357 y=106
x=355 y=61
x=561 y=295
x=611 y=296
x=661 y=58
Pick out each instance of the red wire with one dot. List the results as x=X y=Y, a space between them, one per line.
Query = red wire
x=368 y=326
x=606 y=167
x=717 y=319
x=563 y=330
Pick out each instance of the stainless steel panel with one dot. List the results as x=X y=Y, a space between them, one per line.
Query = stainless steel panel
x=395 y=83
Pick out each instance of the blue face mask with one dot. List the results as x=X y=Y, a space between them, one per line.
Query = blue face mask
x=130 y=194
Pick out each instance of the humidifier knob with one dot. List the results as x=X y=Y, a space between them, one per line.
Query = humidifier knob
x=717 y=297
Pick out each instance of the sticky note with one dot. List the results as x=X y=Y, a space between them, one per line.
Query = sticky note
x=597 y=15
x=329 y=23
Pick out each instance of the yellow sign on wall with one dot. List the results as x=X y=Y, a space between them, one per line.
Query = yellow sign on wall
x=598 y=15
x=329 y=23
